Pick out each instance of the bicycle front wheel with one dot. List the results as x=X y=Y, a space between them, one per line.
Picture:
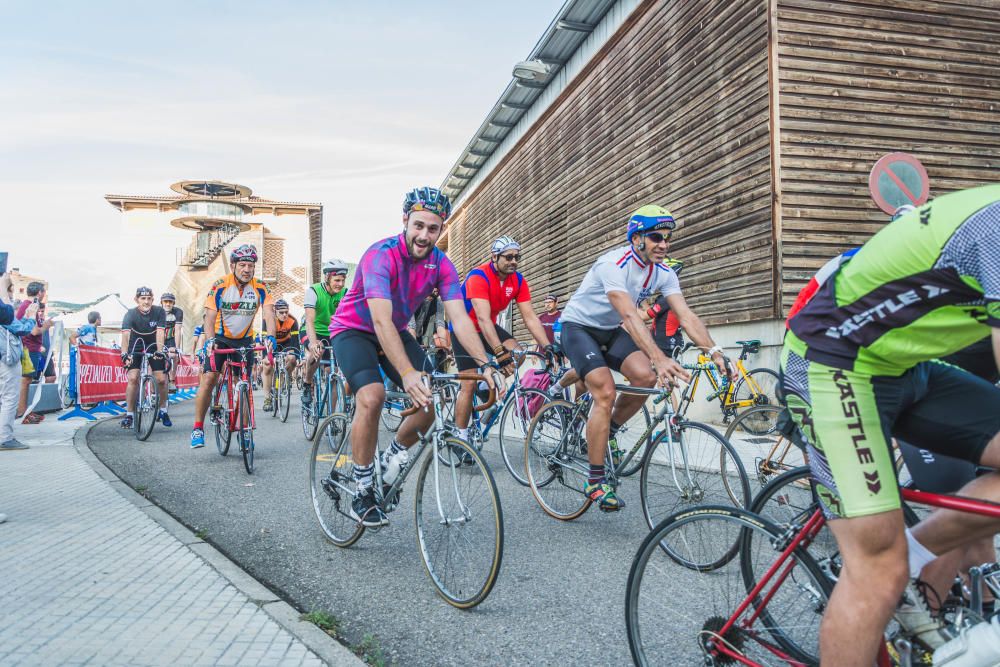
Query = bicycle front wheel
x=555 y=460
x=459 y=526
x=760 y=385
x=764 y=450
x=514 y=423
x=684 y=587
x=284 y=394
x=223 y=436
x=331 y=482
x=697 y=468
x=244 y=424
x=147 y=407
x=310 y=418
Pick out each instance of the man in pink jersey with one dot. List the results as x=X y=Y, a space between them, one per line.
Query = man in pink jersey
x=368 y=330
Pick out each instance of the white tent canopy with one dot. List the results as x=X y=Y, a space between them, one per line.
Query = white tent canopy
x=111 y=308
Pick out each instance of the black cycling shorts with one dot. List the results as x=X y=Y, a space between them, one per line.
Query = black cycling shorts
x=158 y=364
x=589 y=349
x=223 y=343
x=464 y=360
x=361 y=355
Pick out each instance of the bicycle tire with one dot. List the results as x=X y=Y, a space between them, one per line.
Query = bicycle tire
x=244 y=423
x=275 y=397
x=557 y=463
x=310 y=418
x=461 y=590
x=766 y=379
x=147 y=407
x=757 y=437
x=514 y=425
x=685 y=557
x=223 y=436
x=285 y=396
x=665 y=489
x=331 y=504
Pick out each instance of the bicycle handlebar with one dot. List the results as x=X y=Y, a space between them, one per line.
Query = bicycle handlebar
x=467 y=376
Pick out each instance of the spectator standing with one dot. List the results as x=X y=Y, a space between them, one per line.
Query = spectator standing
x=549 y=316
x=34 y=345
x=12 y=329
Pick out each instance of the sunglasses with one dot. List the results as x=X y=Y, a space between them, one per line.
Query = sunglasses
x=516 y=257
x=657 y=237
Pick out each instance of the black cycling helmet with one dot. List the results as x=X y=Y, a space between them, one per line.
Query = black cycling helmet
x=427 y=199
x=168 y=296
x=280 y=304
x=143 y=291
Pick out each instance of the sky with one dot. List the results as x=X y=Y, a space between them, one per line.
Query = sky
x=343 y=103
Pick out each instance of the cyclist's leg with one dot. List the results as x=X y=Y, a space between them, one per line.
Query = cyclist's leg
x=159 y=366
x=211 y=366
x=845 y=417
x=421 y=420
x=132 y=391
x=358 y=352
x=464 y=362
x=625 y=357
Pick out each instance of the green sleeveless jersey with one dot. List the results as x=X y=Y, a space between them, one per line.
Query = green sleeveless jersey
x=325 y=304
x=925 y=286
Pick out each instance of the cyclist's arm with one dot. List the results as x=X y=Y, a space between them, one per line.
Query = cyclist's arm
x=481 y=308
x=311 y=324
x=179 y=335
x=464 y=330
x=208 y=330
x=126 y=335
x=270 y=320
x=696 y=329
x=532 y=323
x=161 y=339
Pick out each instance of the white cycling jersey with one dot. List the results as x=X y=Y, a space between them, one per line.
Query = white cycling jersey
x=618 y=270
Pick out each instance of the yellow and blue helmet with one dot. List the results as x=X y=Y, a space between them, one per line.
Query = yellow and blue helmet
x=648 y=218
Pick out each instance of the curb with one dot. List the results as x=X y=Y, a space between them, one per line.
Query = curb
x=323 y=645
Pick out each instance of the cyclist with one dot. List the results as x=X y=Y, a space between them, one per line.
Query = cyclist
x=230 y=308
x=143 y=331
x=856 y=370
x=321 y=303
x=174 y=331
x=602 y=332
x=665 y=326
x=286 y=337
x=368 y=330
x=488 y=290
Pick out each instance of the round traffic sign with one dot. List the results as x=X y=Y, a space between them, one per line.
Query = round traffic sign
x=898 y=179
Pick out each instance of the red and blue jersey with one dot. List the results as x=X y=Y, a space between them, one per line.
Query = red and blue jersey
x=386 y=271
x=483 y=282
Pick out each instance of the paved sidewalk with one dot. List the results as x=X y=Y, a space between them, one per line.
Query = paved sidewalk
x=92 y=573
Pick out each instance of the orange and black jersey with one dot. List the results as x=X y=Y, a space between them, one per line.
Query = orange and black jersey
x=287 y=332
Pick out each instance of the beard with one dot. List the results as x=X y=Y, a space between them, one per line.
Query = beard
x=416 y=252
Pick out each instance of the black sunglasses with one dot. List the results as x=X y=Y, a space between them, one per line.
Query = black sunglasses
x=512 y=258
x=657 y=237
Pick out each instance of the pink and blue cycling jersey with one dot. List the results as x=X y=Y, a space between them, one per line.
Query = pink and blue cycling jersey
x=387 y=272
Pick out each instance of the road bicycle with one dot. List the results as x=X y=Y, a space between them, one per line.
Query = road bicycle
x=329 y=394
x=760 y=587
x=459 y=520
x=749 y=388
x=765 y=449
x=685 y=463
x=147 y=402
x=232 y=404
x=281 y=391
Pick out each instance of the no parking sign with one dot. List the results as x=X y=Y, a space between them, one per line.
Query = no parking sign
x=898 y=179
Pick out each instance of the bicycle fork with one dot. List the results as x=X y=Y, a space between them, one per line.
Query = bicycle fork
x=445 y=519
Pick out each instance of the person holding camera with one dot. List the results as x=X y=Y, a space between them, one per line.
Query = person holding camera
x=12 y=330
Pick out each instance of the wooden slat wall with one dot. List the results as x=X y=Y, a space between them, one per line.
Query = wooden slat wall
x=860 y=78
x=674 y=110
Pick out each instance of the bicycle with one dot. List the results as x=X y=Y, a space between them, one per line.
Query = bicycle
x=396 y=403
x=756 y=435
x=147 y=402
x=684 y=463
x=750 y=388
x=327 y=383
x=766 y=590
x=232 y=405
x=514 y=414
x=281 y=391
x=456 y=508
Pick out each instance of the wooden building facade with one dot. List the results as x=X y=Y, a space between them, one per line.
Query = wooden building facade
x=756 y=123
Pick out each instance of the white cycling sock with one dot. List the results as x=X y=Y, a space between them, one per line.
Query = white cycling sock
x=130 y=414
x=463 y=433
x=919 y=555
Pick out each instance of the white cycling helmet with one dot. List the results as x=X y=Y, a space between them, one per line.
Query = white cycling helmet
x=335 y=266
x=504 y=243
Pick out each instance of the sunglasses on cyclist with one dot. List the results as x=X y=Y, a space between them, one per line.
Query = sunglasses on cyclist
x=512 y=257
x=657 y=237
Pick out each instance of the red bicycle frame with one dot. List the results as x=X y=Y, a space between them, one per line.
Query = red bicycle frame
x=227 y=378
x=782 y=568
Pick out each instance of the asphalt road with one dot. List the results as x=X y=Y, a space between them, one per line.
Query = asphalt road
x=559 y=598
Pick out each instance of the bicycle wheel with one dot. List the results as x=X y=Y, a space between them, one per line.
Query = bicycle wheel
x=284 y=395
x=767 y=382
x=764 y=450
x=701 y=468
x=514 y=423
x=637 y=425
x=459 y=525
x=392 y=411
x=223 y=436
x=147 y=407
x=310 y=418
x=275 y=394
x=555 y=460
x=298 y=379
x=683 y=588
x=331 y=483
x=329 y=431
x=244 y=433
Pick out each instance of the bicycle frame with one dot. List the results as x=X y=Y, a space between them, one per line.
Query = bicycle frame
x=800 y=537
x=227 y=374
